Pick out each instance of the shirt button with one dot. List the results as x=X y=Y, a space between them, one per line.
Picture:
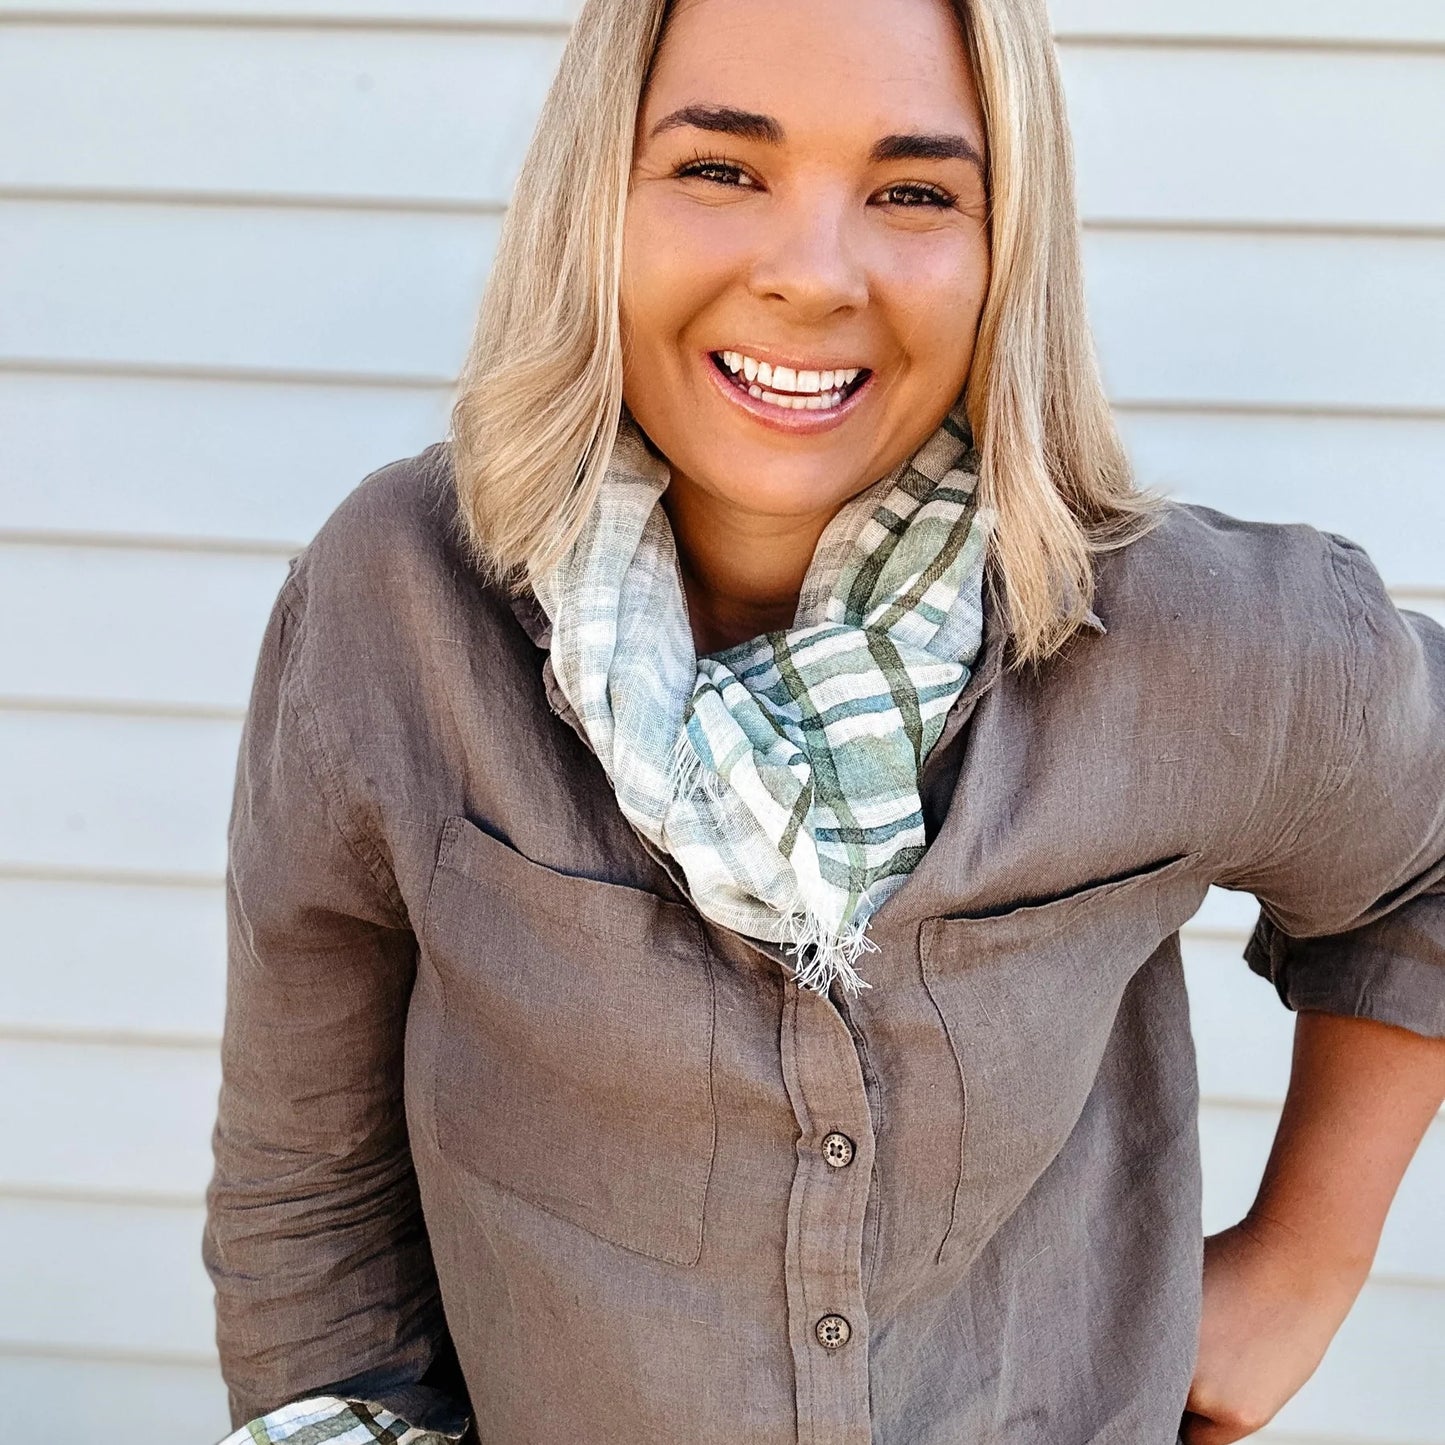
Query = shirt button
x=833 y=1332
x=838 y=1150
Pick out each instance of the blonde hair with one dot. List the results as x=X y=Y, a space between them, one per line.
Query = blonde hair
x=540 y=395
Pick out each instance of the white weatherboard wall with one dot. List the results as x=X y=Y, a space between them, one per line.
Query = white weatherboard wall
x=241 y=242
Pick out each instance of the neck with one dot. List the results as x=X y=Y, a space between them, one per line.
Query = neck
x=741 y=571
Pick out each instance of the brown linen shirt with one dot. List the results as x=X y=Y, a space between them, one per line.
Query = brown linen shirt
x=508 y=1129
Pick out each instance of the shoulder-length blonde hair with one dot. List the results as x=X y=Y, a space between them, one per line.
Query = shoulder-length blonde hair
x=541 y=393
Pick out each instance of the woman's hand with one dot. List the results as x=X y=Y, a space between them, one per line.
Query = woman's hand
x=1271 y=1308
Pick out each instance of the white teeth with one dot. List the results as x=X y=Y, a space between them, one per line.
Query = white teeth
x=821 y=402
x=787 y=386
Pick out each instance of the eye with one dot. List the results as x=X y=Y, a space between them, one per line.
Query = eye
x=918 y=194
x=715 y=169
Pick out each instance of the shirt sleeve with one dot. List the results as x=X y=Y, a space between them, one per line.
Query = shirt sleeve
x=314 y=1238
x=1352 y=897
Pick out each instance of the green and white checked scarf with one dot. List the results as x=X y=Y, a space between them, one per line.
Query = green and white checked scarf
x=781 y=773
x=330 y=1420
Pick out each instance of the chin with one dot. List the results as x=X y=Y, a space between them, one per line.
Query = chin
x=787 y=496
x=782 y=480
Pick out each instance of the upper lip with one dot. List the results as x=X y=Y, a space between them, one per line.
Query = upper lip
x=795 y=363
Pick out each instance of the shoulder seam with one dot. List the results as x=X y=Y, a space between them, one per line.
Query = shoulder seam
x=1356 y=682
x=1351 y=739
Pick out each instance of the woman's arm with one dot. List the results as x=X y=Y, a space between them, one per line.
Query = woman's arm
x=1279 y=1284
x=1351 y=882
x=1361 y=1095
x=314 y=1238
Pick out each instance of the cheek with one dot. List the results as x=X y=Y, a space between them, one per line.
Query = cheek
x=675 y=259
x=935 y=289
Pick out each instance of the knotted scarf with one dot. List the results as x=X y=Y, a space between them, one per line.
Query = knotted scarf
x=782 y=773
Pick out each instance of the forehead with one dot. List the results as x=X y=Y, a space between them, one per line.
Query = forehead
x=855 y=60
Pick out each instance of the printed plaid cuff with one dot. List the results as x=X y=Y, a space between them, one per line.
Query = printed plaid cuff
x=336 y=1421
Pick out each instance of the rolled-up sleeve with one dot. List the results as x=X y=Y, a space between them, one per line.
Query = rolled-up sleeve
x=314 y=1238
x=1352 y=893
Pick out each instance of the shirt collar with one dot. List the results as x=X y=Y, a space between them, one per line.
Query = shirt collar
x=532 y=615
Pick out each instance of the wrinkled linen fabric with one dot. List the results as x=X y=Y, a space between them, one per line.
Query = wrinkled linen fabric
x=508 y=1130
x=781 y=773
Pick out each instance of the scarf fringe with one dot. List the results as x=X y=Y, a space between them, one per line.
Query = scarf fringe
x=686 y=773
x=830 y=951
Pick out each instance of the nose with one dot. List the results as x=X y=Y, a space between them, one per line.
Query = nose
x=809 y=258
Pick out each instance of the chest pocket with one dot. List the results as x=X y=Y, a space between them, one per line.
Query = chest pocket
x=1029 y=997
x=573 y=1065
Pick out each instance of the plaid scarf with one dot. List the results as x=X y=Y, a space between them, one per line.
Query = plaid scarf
x=781 y=773
x=330 y=1419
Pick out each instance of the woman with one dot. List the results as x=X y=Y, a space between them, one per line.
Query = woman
x=710 y=841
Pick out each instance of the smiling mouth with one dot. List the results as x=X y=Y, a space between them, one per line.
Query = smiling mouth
x=786 y=388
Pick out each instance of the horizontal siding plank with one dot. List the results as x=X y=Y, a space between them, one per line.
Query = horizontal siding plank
x=68 y=1111
x=1288 y=320
x=99 y=1118
x=129 y=794
x=1258 y=320
x=277 y=112
x=135 y=794
x=1242 y=1031
x=1234 y=1145
x=1431 y=605
x=238 y=462
x=139 y=1273
x=151 y=961
x=190 y=458
x=1380 y=1382
x=444 y=119
x=350 y=294
x=109 y=958
x=108 y=1277
x=1221 y=136
x=169 y=627
x=180 y=1404
x=1226 y=910
x=1285 y=469
x=391 y=12
x=155 y=629
x=1401 y=21
x=1405 y=21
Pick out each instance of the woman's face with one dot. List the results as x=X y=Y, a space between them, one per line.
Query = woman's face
x=808 y=195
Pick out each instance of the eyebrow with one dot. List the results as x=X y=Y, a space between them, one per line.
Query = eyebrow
x=750 y=125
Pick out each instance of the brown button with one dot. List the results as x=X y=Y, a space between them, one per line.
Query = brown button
x=838 y=1150
x=833 y=1332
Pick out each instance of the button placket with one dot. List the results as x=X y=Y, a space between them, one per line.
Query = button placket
x=826 y=1308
